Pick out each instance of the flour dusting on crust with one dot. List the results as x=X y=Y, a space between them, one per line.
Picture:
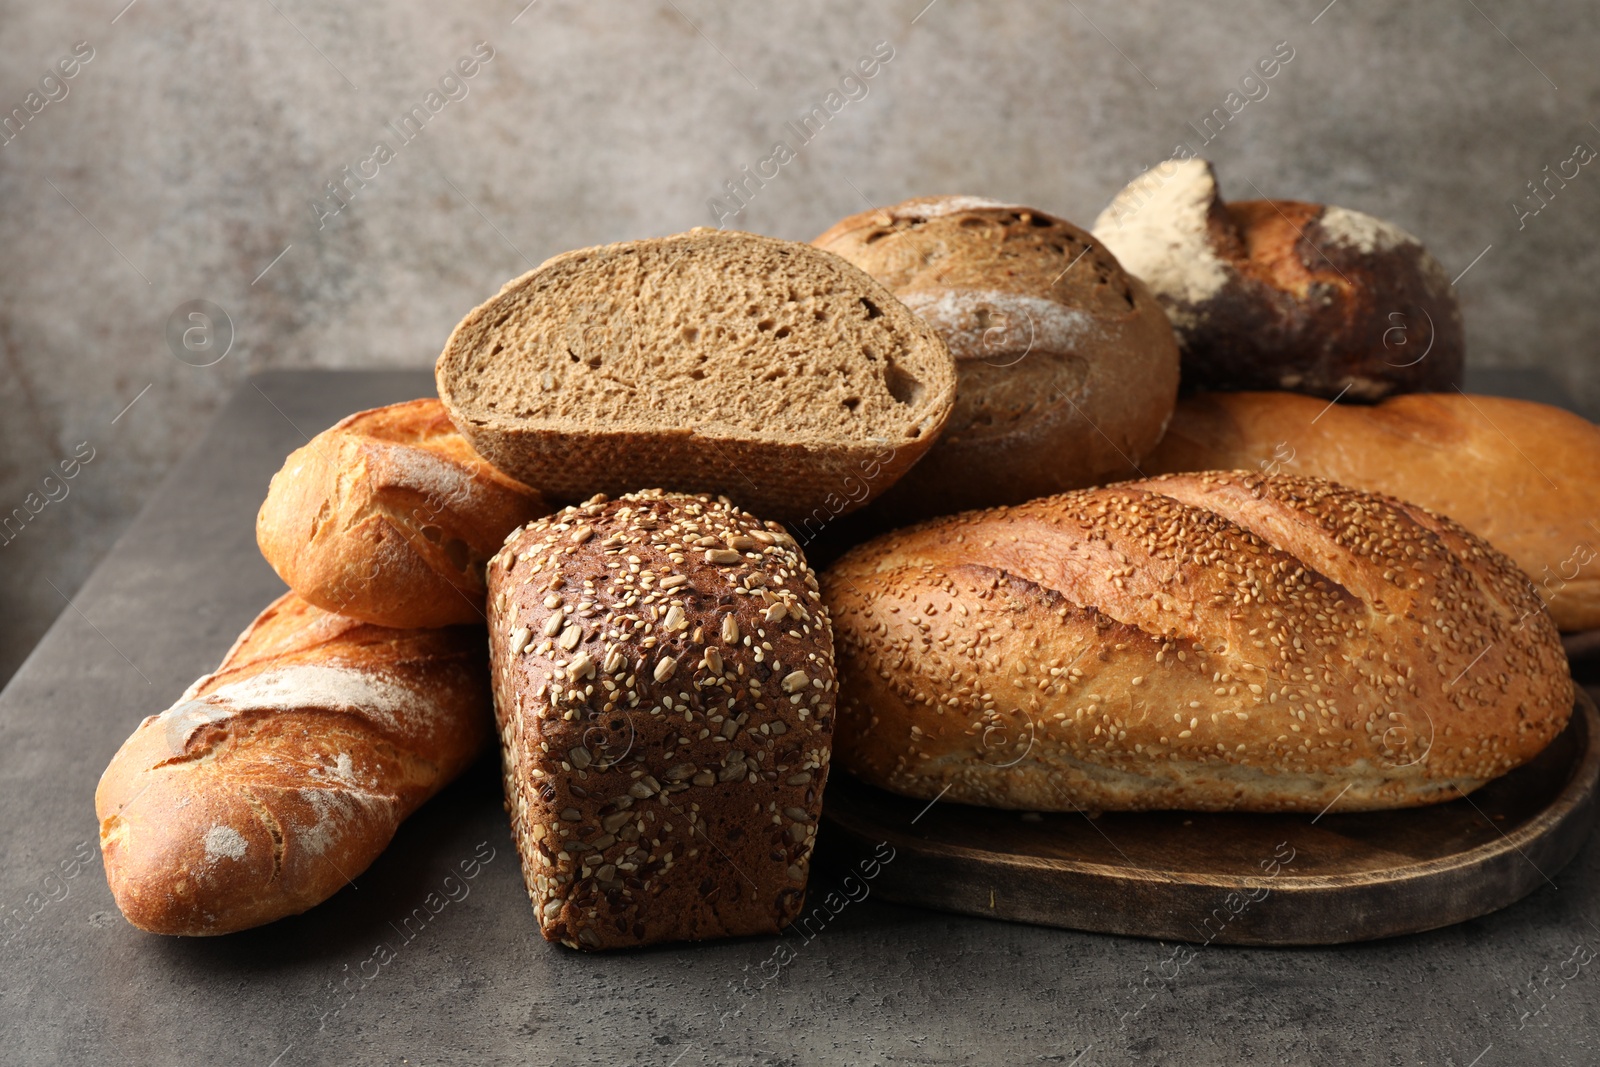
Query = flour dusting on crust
x=339 y=688
x=934 y=207
x=1000 y=326
x=1156 y=227
x=1362 y=232
x=445 y=482
x=224 y=841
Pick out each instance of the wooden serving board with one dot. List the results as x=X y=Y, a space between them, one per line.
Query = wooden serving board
x=1583 y=654
x=1237 y=878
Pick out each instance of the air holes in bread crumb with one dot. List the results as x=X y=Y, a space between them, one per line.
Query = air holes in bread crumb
x=903 y=387
x=851 y=403
x=873 y=311
x=690 y=334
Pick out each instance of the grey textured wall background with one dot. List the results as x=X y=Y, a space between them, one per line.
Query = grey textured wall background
x=183 y=162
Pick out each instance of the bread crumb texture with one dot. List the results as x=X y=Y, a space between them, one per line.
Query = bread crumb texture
x=1211 y=641
x=664 y=688
x=711 y=360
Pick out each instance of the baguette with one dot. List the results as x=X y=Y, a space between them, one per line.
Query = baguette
x=283 y=774
x=1217 y=641
x=389 y=517
x=1523 y=476
x=714 y=362
x=664 y=685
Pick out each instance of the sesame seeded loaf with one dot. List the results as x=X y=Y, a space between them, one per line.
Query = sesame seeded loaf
x=1067 y=367
x=718 y=362
x=1215 y=641
x=284 y=773
x=664 y=687
x=389 y=517
x=1523 y=476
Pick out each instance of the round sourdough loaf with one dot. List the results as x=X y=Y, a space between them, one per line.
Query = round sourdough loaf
x=1279 y=294
x=712 y=361
x=664 y=685
x=1066 y=365
x=389 y=517
x=1216 y=641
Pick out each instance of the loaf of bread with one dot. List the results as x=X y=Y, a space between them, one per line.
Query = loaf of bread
x=712 y=361
x=664 y=687
x=279 y=777
x=389 y=517
x=1279 y=294
x=1523 y=476
x=1212 y=641
x=1066 y=365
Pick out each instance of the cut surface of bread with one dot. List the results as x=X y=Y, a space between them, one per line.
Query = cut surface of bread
x=709 y=361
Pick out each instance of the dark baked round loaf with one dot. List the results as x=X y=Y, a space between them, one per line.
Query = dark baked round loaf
x=664 y=687
x=1279 y=294
x=1066 y=367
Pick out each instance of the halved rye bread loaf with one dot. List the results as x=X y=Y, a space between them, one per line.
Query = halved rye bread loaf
x=768 y=371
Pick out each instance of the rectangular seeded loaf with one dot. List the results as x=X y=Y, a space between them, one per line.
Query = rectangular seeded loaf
x=664 y=687
x=769 y=371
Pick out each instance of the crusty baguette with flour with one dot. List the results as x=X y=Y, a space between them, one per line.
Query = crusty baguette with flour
x=719 y=362
x=389 y=516
x=1523 y=476
x=282 y=775
x=1216 y=641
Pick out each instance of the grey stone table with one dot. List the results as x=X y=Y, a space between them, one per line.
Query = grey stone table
x=353 y=981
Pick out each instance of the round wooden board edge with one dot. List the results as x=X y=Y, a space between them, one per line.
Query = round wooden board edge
x=1311 y=909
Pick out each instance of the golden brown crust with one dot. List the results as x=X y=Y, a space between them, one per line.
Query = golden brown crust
x=1066 y=366
x=284 y=773
x=1281 y=294
x=389 y=517
x=1523 y=476
x=1216 y=641
x=664 y=686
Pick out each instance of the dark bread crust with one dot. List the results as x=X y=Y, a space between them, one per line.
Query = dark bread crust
x=1067 y=368
x=1317 y=299
x=1210 y=641
x=666 y=728
x=1310 y=314
x=284 y=773
x=389 y=516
